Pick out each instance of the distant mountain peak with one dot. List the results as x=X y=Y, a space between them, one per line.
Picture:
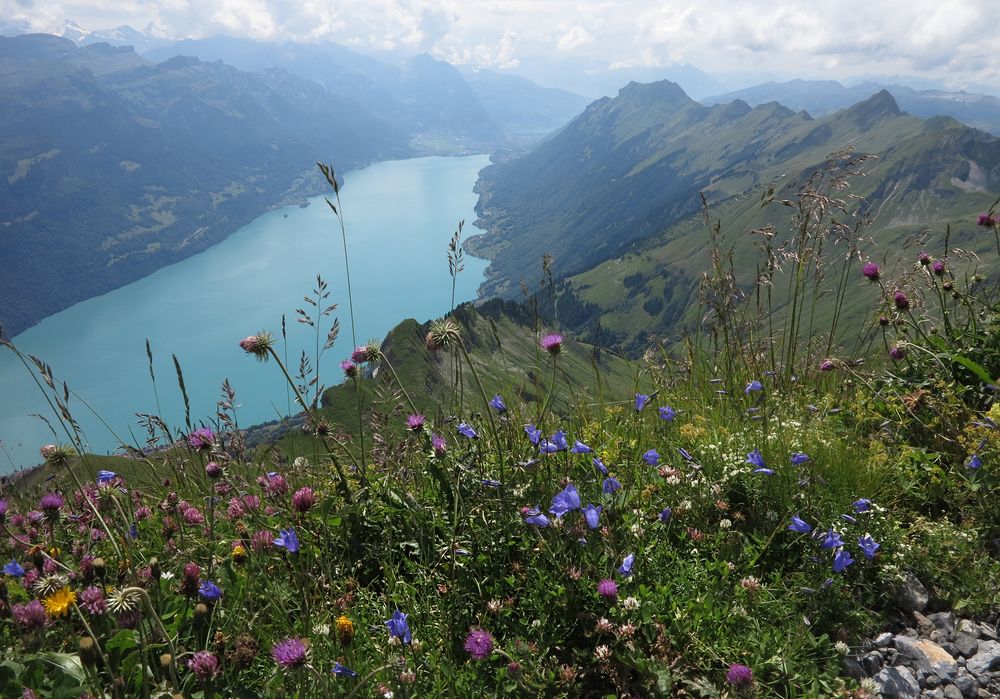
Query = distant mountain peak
x=877 y=108
x=662 y=91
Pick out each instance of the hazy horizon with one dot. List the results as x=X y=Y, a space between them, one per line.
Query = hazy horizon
x=591 y=47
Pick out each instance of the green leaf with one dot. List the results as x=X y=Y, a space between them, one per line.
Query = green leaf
x=972 y=366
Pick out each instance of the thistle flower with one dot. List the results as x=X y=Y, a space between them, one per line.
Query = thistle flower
x=897 y=352
x=51 y=503
x=871 y=271
x=552 y=343
x=290 y=653
x=204 y=665
x=924 y=259
x=478 y=644
x=439 y=445
x=201 y=439
x=213 y=470
x=901 y=301
x=349 y=368
x=987 y=220
x=938 y=267
x=739 y=675
x=30 y=616
x=607 y=588
x=442 y=335
x=58 y=603
x=827 y=365
x=57 y=455
x=258 y=345
x=415 y=422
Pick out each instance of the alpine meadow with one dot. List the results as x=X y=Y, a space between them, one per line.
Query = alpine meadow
x=405 y=350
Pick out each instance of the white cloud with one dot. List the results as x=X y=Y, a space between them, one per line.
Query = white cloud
x=946 y=39
x=574 y=38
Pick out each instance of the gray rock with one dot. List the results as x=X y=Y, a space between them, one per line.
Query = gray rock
x=933 y=694
x=927 y=656
x=932 y=681
x=984 y=694
x=884 y=639
x=968 y=627
x=961 y=661
x=924 y=625
x=872 y=663
x=951 y=649
x=967 y=685
x=911 y=595
x=986 y=658
x=897 y=683
x=988 y=632
x=950 y=691
x=943 y=621
x=967 y=645
x=851 y=667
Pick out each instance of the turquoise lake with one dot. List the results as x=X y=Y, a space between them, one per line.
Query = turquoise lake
x=399 y=217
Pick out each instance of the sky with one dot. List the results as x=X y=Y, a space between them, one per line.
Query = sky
x=952 y=41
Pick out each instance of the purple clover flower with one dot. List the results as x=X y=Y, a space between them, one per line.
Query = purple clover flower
x=478 y=644
x=607 y=588
x=739 y=675
x=289 y=653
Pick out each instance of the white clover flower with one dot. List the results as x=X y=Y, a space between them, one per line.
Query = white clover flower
x=630 y=603
x=725 y=524
x=842 y=647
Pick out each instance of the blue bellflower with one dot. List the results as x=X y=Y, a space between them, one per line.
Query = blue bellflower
x=832 y=540
x=565 y=501
x=580 y=448
x=105 y=477
x=535 y=517
x=610 y=485
x=592 y=515
x=868 y=546
x=398 y=627
x=534 y=434
x=799 y=458
x=667 y=413
x=651 y=457
x=626 y=567
x=599 y=465
x=799 y=525
x=754 y=385
x=14 y=569
x=641 y=399
x=862 y=505
x=466 y=430
x=842 y=560
x=209 y=591
x=497 y=404
x=342 y=670
x=288 y=540
x=665 y=515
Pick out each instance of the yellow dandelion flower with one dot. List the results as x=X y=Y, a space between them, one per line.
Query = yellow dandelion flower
x=345 y=629
x=58 y=603
x=239 y=554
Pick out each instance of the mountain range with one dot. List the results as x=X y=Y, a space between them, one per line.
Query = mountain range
x=114 y=166
x=824 y=97
x=615 y=197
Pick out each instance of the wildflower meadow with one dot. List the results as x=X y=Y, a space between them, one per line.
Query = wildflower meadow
x=730 y=519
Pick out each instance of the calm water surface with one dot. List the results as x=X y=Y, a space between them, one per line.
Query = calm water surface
x=399 y=217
